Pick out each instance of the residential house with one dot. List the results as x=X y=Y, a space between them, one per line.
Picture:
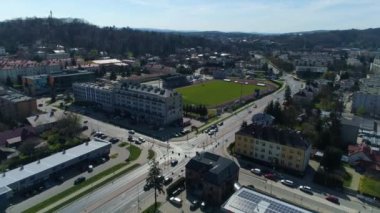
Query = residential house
x=211 y=177
x=365 y=156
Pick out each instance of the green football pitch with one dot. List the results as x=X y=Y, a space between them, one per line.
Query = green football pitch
x=215 y=92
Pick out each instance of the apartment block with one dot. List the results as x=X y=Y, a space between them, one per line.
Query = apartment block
x=143 y=103
x=279 y=147
x=14 y=105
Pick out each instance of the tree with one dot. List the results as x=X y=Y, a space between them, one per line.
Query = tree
x=154 y=179
x=288 y=94
x=332 y=158
x=68 y=126
x=113 y=75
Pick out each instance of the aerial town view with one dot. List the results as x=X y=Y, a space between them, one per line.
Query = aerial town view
x=172 y=106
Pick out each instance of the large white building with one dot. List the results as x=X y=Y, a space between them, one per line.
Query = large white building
x=141 y=102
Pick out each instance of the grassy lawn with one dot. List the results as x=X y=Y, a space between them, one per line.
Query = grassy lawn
x=215 y=92
x=123 y=144
x=150 y=209
x=151 y=154
x=134 y=152
x=75 y=188
x=370 y=186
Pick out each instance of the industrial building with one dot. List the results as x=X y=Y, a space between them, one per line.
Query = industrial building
x=32 y=174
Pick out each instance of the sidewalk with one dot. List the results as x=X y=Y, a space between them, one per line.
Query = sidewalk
x=143 y=158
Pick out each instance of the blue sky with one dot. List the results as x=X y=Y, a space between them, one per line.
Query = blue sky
x=266 y=16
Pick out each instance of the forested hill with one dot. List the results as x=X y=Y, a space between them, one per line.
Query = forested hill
x=368 y=38
x=78 y=33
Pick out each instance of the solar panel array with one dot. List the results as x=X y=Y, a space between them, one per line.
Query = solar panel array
x=255 y=200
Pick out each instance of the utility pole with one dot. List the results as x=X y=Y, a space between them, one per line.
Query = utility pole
x=138 y=198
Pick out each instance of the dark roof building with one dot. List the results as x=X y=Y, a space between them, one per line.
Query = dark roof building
x=211 y=177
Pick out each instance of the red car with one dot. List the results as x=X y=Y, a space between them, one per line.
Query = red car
x=271 y=176
x=332 y=199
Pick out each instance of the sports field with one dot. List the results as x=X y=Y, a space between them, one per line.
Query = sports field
x=215 y=92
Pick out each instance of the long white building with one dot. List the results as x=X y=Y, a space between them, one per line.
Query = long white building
x=142 y=103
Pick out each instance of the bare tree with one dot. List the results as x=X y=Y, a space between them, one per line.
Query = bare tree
x=155 y=180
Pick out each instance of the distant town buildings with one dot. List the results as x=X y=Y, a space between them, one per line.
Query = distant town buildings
x=15 y=69
x=42 y=84
x=174 y=81
x=278 y=147
x=211 y=177
x=143 y=103
x=16 y=106
x=2 y=51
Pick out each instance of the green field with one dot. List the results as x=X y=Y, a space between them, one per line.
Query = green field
x=370 y=186
x=215 y=92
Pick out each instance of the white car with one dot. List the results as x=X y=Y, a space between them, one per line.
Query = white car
x=287 y=183
x=175 y=200
x=256 y=171
x=306 y=189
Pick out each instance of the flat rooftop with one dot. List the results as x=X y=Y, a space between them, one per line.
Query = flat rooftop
x=49 y=162
x=247 y=200
x=14 y=96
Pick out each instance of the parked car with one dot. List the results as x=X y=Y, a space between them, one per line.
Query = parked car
x=90 y=168
x=271 y=176
x=306 y=189
x=174 y=162
x=84 y=128
x=131 y=132
x=79 y=180
x=114 y=140
x=288 y=183
x=168 y=180
x=194 y=205
x=147 y=187
x=141 y=139
x=175 y=201
x=203 y=205
x=332 y=199
x=220 y=123
x=256 y=171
